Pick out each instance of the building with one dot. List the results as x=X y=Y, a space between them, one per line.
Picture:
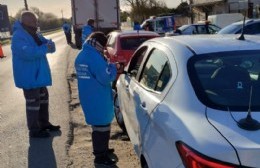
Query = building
x=202 y=8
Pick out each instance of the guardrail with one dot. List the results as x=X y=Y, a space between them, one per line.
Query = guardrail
x=6 y=36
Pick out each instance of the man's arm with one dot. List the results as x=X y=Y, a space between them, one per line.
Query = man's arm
x=22 y=48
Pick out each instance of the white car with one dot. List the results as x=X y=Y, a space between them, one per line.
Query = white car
x=193 y=101
x=252 y=26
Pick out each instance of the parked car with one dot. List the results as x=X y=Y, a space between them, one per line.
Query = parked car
x=193 y=101
x=252 y=26
x=122 y=44
x=198 y=28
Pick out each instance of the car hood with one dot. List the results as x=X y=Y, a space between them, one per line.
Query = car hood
x=246 y=143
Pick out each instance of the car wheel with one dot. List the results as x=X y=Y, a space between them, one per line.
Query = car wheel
x=118 y=114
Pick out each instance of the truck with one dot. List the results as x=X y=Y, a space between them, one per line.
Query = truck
x=225 y=19
x=106 y=14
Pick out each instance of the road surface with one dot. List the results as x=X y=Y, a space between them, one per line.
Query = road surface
x=17 y=150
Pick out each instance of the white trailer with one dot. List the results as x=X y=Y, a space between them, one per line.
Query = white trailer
x=104 y=12
x=225 y=19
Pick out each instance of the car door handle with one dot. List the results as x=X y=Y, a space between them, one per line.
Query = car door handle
x=143 y=105
x=127 y=87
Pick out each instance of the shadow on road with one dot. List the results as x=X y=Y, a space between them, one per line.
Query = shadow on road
x=120 y=136
x=40 y=152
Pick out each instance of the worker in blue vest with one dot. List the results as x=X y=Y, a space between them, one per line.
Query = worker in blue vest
x=87 y=29
x=67 y=31
x=95 y=76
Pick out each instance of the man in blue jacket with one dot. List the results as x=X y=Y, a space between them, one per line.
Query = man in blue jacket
x=87 y=29
x=95 y=76
x=67 y=31
x=32 y=73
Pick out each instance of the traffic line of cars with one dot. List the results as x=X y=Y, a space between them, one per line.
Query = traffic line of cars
x=191 y=101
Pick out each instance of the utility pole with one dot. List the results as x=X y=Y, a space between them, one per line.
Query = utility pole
x=62 y=15
x=250 y=8
x=191 y=12
x=26 y=5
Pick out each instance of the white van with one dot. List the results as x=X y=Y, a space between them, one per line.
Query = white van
x=225 y=19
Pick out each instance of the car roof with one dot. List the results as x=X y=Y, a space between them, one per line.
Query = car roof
x=195 y=24
x=249 y=21
x=127 y=33
x=158 y=18
x=203 y=44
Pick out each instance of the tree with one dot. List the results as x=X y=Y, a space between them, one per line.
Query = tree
x=46 y=20
x=183 y=9
x=123 y=16
x=143 y=9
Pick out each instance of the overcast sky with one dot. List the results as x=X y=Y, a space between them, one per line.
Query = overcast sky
x=57 y=7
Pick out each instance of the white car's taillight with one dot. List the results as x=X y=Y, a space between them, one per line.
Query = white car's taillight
x=193 y=159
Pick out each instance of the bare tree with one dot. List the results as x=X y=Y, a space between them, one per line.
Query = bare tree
x=46 y=20
x=143 y=9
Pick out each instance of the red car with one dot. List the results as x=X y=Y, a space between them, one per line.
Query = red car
x=122 y=44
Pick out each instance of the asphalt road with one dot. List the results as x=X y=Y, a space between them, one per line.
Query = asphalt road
x=17 y=150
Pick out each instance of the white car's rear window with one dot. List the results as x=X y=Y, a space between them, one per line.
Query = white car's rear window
x=228 y=80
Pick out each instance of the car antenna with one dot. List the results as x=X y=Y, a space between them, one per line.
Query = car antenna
x=242 y=37
x=249 y=123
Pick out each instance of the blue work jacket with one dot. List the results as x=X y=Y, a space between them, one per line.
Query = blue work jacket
x=86 y=31
x=30 y=65
x=95 y=76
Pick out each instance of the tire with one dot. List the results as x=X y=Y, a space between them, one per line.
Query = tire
x=145 y=166
x=118 y=114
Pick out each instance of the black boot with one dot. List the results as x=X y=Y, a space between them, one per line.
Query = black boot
x=100 y=141
x=104 y=160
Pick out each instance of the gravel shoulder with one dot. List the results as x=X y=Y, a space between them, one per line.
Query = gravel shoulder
x=79 y=147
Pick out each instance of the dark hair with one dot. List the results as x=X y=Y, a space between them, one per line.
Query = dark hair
x=100 y=37
x=91 y=21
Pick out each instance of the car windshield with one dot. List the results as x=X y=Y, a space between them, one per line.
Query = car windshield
x=132 y=43
x=182 y=28
x=230 y=29
x=228 y=80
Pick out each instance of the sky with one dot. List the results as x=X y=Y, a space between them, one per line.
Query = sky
x=57 y=7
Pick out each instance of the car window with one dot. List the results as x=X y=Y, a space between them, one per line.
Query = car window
x=136 y=61
x=111 y=41
x=132 y=43
x=231 y=29
x=224 y=80
x=164 y=77
x=253 y=29
x=213 y=29
x=151 y=77
x=159 y=24
x=202 y=29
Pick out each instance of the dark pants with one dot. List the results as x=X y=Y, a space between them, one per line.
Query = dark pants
x=37 y=108
x=100 y=139
x=68 y=37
